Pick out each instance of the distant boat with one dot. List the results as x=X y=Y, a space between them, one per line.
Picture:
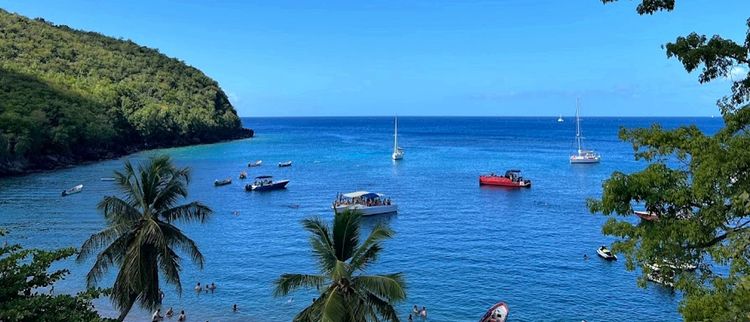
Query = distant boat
x=583 y=156
x=398 y=153
x=222 y=182
x=285 y=164
x=646 y=215
x=243 y=175
x=560 y=119
x=107 y=179
x=255 y=164
x=512 y=178
x=497 y=313
x=73 y=190
x=266 y=183
x=605 y=253
x=366 y=203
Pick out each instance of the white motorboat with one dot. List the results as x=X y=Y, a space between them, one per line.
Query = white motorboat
x=107 y=179
x=497 y=313
x=285 y=164
x=605 y=253
x=255 y=164
x=73 y=190
x=398 y=152
x=583 y=156
x=364 y=202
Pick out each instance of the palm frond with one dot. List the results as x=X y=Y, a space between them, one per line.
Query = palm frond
x=321 y=243
x=290 y=282
x=388 y=286
x=366 y=253
x=175 y=238
x=118 y=211
x=99 y=240
x=384 y=308
x=169 y=262
x=112 y=254
x=194 y=211
x=345 y=234
x=334 y=307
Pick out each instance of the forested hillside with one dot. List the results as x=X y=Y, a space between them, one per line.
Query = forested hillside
x=68 y=96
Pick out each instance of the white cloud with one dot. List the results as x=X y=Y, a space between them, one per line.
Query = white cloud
x=737 y=73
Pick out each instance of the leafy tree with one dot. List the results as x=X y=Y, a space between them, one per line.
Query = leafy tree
x=23 y=272
x=346 y=294
x=141 y=238
x=696 y=184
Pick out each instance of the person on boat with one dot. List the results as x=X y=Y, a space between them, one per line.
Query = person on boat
x=157 y=316
x=182 y=317
x=170 y=313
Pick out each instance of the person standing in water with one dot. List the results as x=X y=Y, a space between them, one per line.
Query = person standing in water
x=234 y=307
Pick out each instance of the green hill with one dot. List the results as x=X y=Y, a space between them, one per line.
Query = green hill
x=68 y=96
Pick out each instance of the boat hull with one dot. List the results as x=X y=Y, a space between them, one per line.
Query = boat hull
x=73 y=190
x=274 y=186
x=503 y=182
x=369 y=211
x=584 y=160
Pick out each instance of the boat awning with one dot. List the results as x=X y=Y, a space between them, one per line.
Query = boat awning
x=263 y=177
x=362 y=194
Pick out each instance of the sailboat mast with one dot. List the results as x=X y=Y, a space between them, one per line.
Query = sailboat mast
x=578 y=125
x=395 y=136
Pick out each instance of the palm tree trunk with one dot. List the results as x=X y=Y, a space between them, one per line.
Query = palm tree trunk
x=125 y=310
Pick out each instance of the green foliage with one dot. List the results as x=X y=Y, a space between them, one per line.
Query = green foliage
x=140 y=238
x=346 y=295
x=23 y=272
x=73 y=95
x=697 y=185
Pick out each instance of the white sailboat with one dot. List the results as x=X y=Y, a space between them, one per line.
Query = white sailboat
x=560 y=119
x=583 y=156
x=398 y=153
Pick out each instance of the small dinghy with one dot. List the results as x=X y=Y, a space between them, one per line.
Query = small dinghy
x=255 y=164
x=605 y=253
x=73 y=190
x=243 y=175
x=497 y=313
x=222 y=182
x=285 y=164
x=107 y=179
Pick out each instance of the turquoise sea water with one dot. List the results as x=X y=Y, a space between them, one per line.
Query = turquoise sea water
x=462 y=247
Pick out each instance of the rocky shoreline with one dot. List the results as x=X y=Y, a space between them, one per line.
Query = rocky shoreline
x=21 y=167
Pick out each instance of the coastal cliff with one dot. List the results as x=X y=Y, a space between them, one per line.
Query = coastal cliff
x=69 y=96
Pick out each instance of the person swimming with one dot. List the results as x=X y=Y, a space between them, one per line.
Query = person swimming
x=157 y=316
x=182 y=317
x=234 y=307
x=170 y=312
x=198 y=287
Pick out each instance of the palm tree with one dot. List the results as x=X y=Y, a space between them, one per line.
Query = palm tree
x=346 y=295
x=140 y=237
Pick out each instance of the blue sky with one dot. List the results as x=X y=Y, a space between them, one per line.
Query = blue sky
x=505 y=57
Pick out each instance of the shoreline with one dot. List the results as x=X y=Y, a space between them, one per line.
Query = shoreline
x=8 y=171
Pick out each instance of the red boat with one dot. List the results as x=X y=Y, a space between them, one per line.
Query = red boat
x=497 y=313
x=512 y=178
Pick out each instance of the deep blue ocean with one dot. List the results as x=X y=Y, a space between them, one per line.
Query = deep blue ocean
x=461 y=247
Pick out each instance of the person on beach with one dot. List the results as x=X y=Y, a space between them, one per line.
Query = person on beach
x=156 y=317
x=198 y=287
x=234 y=307
x=182 y=317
